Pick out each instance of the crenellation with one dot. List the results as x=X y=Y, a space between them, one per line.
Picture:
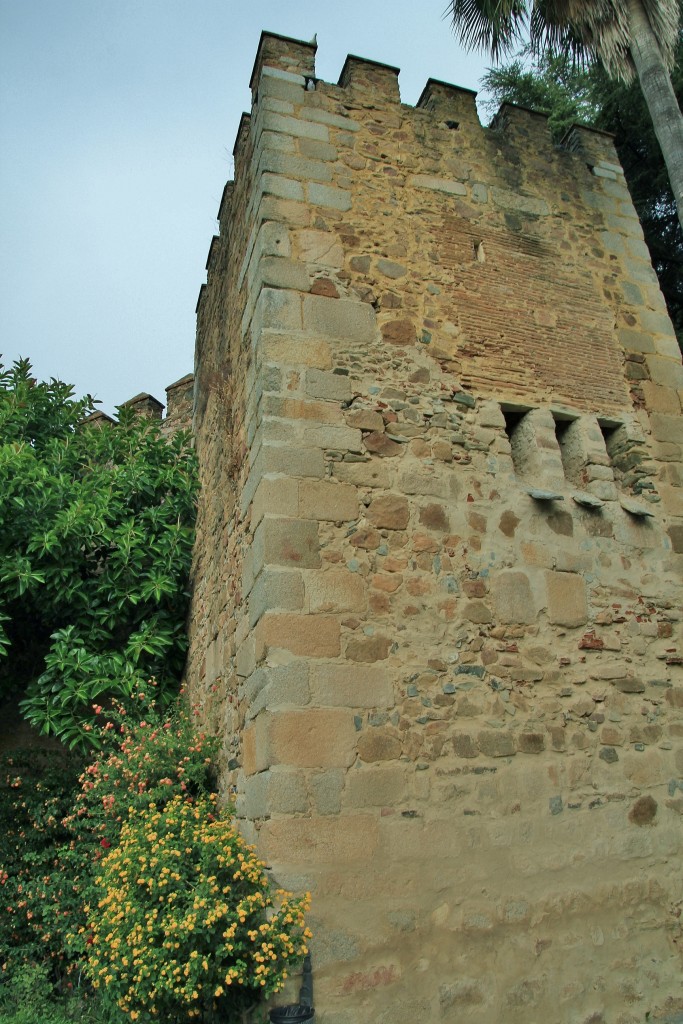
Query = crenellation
x=361 y=74
x=293 y=58
x=437 y=576
x=524 y=126
x=144 y=404
x=450 y=102
x=243 y=133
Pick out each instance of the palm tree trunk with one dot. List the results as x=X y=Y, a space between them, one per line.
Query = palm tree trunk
x=659 y=96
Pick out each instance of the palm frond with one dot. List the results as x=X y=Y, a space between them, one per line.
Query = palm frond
x=584 y=29
x=494 y=25
x=665 y=18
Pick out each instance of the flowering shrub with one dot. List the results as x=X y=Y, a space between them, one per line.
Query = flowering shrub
x=187 y=926
x=55 y=827
x=147 y=758
x=137 y=881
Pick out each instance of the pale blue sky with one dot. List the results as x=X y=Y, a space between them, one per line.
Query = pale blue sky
x=117 y=121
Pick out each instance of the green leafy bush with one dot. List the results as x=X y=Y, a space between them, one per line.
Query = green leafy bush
x=29 y=999
x=36 y=792
x=187 y=926
x=96 y=533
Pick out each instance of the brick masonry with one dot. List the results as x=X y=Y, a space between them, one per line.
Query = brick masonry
x=436 y=604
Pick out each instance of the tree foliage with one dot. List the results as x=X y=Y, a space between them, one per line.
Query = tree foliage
x=626 y=37
x=96 y=532
x=571 y=94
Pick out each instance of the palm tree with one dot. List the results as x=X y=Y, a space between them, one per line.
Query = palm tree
x=628 y=37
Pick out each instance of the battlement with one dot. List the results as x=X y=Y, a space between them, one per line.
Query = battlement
x=179 y=405
x=436 y=595
x=293 y=61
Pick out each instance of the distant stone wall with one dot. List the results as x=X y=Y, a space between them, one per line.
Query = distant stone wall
x=179 y=407
x=437 y=596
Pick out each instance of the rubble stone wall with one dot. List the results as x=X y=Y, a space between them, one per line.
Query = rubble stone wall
x=437 y=604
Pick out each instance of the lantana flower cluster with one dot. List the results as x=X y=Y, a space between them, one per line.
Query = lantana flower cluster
x=187 y=926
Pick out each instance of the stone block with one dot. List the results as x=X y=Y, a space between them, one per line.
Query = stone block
x=301 y=409
x=295 y=350
x=278 y=272
x=378 y=443
x=284 y=211
x=389 y=511
x=391 y=269
x=272 y=122
x=318 y=150
x=320 y=247
x=276 y=309
x=512 y=598
x=281 y=89
x=327 y=500
x=676 y=536
x=477 y=611
x=272 y=239
x=274 y=141
x=327 y=436
x=567 y=605
x=496 y=743
x=366 y=537
x=308 y=738
x=399 y=332
x=276 y=790
x=441 y=483
x=268 y=72
x=281 y=187
x=368 y=648
x=336 y=590
x=531 y=742
x=661 y=399
x=332 y=386
x=327 y=117
x=364 y=419
x=426 y=181
x=246 y=656
x=434 y=517
x=510 y=200
x=301 y=462
x=288 y=542
x=334 y=841
x=667 y=428
x=313 y=738
x=379 y=745
x=464 y=745
x=326 y=789
x=298 y=167
x=276 y=588
x=348 y=320
x=312 y=636
x=636 y=341
x=329 y=196
x=379 y=786
x=363 y=474
x=352 y=685
x=275 y=495
x=273 y=686
x=663 y=370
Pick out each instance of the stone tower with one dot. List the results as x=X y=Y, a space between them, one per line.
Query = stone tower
x=437 y=605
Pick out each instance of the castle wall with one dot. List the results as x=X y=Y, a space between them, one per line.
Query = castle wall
x=437 y=582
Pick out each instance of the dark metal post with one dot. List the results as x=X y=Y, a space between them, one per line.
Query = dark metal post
x=303 y=1010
